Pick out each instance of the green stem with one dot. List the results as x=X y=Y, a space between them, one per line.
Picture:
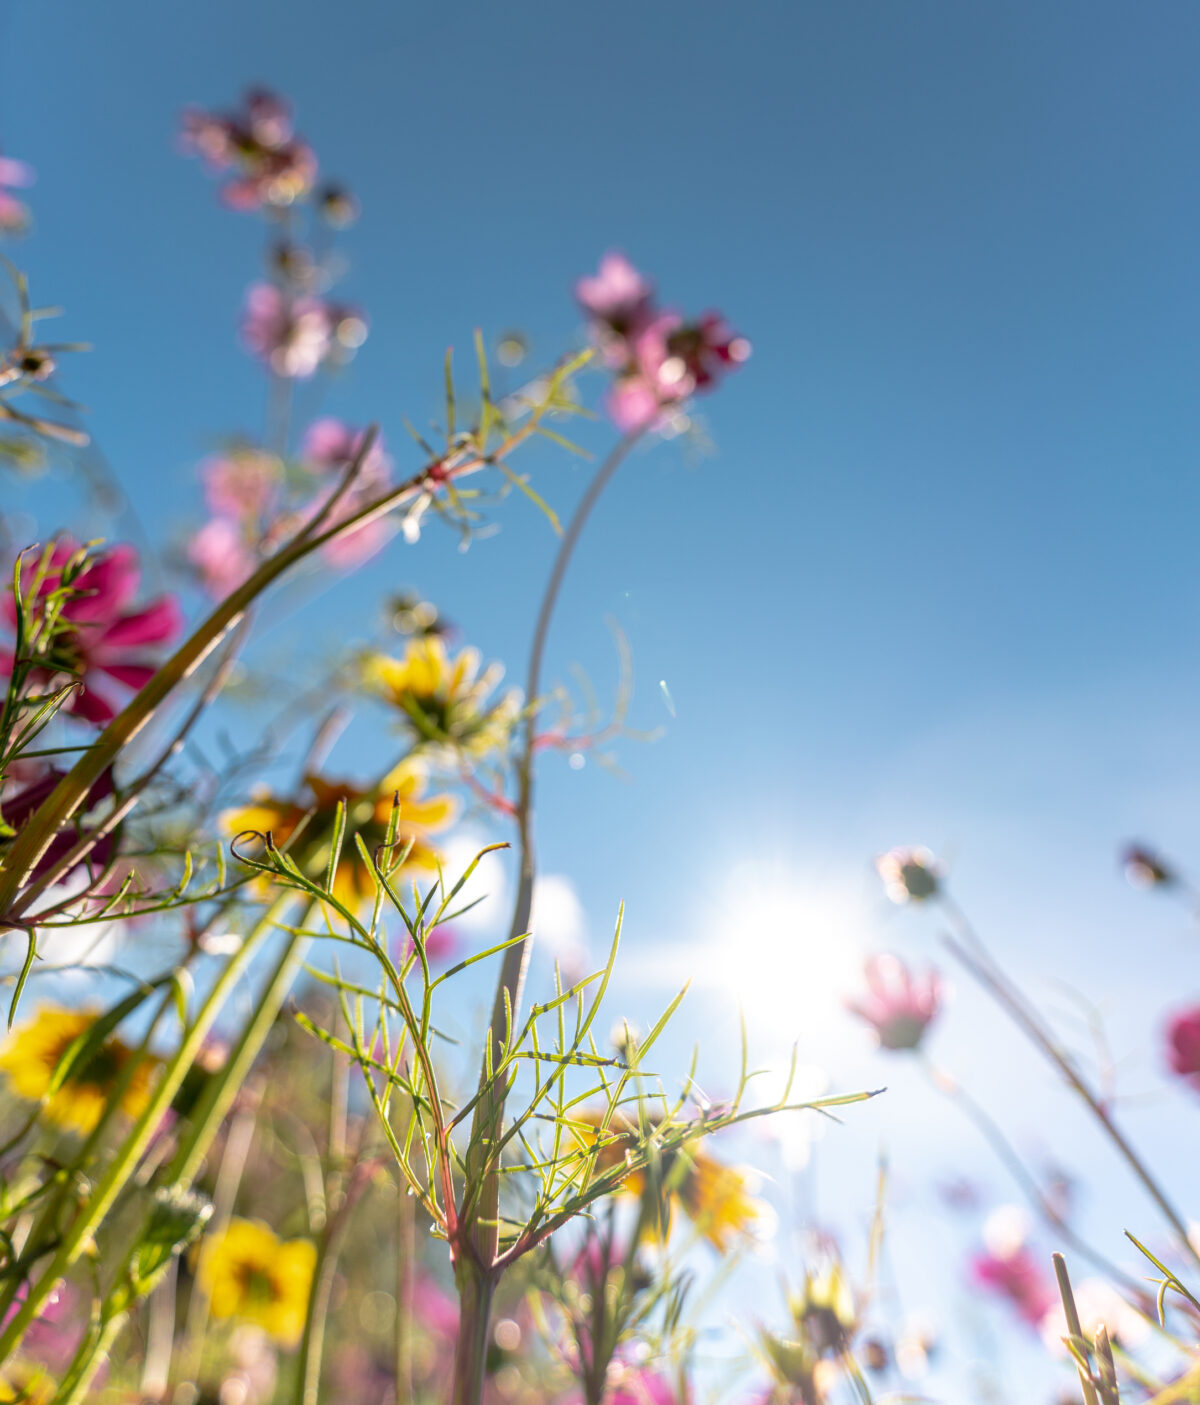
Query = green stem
x=475 y=1289
x=123 y=1165
x=312 y=1344
x=92 y=1353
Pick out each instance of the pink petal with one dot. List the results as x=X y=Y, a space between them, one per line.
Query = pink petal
x=156 y=624
x=133 y=675
x=106 y=587
x=92 y=707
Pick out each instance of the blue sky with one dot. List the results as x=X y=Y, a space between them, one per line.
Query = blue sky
x=937 y=582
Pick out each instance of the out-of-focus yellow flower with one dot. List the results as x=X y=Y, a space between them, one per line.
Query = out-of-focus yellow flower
x=32 y=1388
x=445 y=700
x=249 y=1272
x=715 y=1197
x=311 y=820
x=33 y=1051
x=824 y=1309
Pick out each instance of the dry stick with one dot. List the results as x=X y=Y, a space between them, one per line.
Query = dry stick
x=1072 y=1315
x=1007 y=1155
x=980 y=964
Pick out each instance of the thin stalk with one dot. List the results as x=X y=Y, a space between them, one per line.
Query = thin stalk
x=406 y=1250
x=489 y=1111
x=985 y=970
x=91 y=1355
x=312 y=1344
x=1006 y=1153
x=1071 y=1313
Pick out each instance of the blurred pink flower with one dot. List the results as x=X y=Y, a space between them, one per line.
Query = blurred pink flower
x=660 y=359
x=1183 y=1045
x=618 y=300
x=20 y=804
x=1019 y=1277
x=435 y=1309
x=14 y=175
x=642 y=1387
x=440 y=944
x=330 y=445
x=105 y=637
x=273 y=167
x=899 y=1006
x=221 y=556
x=241 y=483
x=293 y=336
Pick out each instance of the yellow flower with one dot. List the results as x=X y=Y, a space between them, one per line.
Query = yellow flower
x=33 y=1051
x=248 y=1272
x=311 y=820
x=714 y=1196
x=29 y=1388
x=445 y=700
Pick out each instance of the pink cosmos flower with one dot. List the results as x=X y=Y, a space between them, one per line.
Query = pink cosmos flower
x=1019 y=1277
x=661 y=359
x=242 y=483
x=1183 y=1045
x=618 y=301
x=898 y=1006
x=221 y=556
x=292 y=336
x=440 y=945
x=104 y=637
x=14 y=175
x=21 y=804
x=642 y=1387
x=330 y=446
x=296 y=336
x=273 y=166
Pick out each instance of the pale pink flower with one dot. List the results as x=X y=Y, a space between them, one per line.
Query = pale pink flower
x=242 y=483
x=618 y=301
x=1183 y=1045
x=680 y=358
x=1019 y=1277
x=14 y=175
x=221 y=556
x=293 y=336
x=330 y=446
x=899 y=1006
x=104 y=636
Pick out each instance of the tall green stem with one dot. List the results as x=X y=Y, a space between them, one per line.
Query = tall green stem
x=475 y=1290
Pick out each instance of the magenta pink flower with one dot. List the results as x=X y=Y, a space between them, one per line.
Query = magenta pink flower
x=104 y=637
x=20 y=805
x=1018 y=1277
x=1183 y=1045
x=14 y=214
x=660 y=359
x=898 y=1006
x=221 y=556
x=642 y=1387
x=272 y=166
x=242 y=483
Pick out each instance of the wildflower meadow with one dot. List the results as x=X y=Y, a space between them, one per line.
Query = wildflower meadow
x=416 y=983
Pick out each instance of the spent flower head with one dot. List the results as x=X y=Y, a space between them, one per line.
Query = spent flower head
x=270 y=167
x=909 y=875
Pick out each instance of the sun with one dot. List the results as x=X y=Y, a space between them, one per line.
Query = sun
x=785 y=945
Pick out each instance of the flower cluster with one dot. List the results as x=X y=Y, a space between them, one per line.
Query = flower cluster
x=271 y=167
x=295 y=335
x=660 y=359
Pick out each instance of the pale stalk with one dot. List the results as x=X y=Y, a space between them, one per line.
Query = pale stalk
x=980 y=964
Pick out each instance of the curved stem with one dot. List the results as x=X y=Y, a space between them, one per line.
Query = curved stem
x=972 y=954
x=1006 y=1153
x=516 y=958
